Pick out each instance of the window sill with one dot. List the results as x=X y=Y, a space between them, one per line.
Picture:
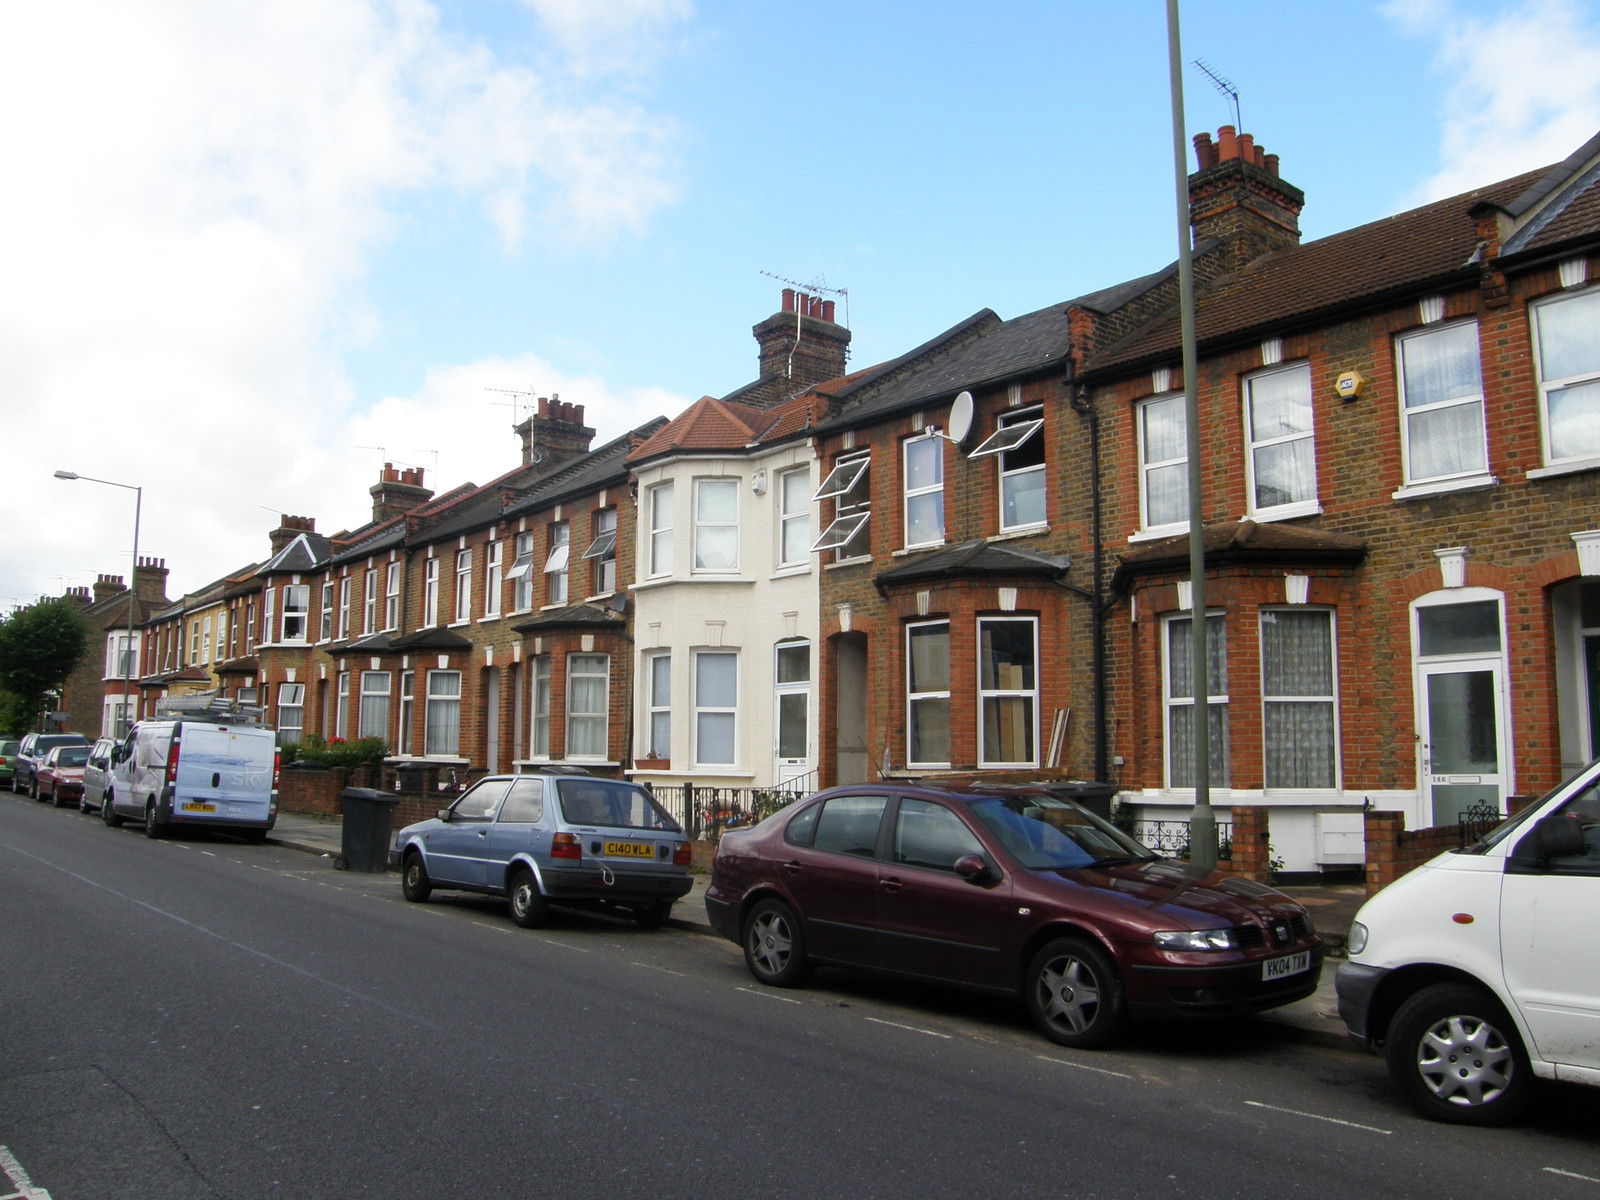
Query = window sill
x=1159 y=533
x=489 y=618
x=1284 y=512
x=459 y=624
x=905 y=551
x=1571 y=467
x=791 y=572
x=1443 y=487
x=856 y=561
x=1021 y=531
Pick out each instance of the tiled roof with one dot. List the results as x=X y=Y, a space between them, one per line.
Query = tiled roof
x=1398 y=253
x=574 y=614
x=1238 y=542
x=706 y=425
x=971 y=559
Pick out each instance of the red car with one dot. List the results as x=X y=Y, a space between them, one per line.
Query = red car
x=1010 y=890
x=60 y=777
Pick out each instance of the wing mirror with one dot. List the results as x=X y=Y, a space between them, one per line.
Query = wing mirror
x=972 y=868
x=1559 y=836
x=443 y=814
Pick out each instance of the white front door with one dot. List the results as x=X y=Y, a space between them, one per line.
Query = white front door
x=1462 y=739
x=791 y=716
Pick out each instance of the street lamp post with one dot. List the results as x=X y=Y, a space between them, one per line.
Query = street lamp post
x=133 y=581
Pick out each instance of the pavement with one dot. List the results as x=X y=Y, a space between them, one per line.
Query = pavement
x=1314 y=1020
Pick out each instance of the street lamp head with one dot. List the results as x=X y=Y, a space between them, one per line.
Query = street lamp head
x=66 y=474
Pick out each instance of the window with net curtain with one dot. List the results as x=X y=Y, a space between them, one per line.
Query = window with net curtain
x=372 y=716
x=716 y=696
x=587 y=676
x=1282 y=452
x=1569 y=374
x=1180 y=701
x=1442 y=403
x=1163 y=462
x=442 y=713
x=1297 y=700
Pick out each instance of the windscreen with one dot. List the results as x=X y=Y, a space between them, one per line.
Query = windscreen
x=609 y=803
x=1045 y=833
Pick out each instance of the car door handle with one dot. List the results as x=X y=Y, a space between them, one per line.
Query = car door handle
x=891 y=884
x=216 y=778
x=792 y=867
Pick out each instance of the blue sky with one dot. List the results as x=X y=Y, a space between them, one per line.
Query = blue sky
x=257 y=250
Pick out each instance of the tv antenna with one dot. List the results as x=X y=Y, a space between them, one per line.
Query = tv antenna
x=515 y=404
x=818 y=285
x=1225 y=86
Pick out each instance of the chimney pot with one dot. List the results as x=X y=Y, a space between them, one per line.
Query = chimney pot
x=1227 y=143
x=827 y=311
x=788 y=299
x=544 y=406
x=1205 y=154
x=1269 y=163
x=1247 y=148
x=577 y=414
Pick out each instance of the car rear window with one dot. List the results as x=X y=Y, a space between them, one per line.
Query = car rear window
x=616 y=805
x=73 y=756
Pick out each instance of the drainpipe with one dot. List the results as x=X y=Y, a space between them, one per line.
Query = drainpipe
x=1081 y=405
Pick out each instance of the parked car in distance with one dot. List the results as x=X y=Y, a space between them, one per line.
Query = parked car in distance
x=96 y=775
x=8 y=759
x=1010 y=890
x=59 y=778
x=30 y=754
x=562 y=838
x=1478 y=973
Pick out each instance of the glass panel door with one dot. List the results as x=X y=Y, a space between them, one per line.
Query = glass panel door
x=1462 y=739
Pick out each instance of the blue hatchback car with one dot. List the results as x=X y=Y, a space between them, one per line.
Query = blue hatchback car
x=569 y=839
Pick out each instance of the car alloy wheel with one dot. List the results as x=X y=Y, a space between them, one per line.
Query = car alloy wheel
x=1074 y=994
x=774 y=947
x=1456 y=1053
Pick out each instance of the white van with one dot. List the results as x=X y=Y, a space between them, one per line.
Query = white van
x=215 y=769
x=1479 y=972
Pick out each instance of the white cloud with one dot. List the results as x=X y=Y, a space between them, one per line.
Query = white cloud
x=1523 y=91
x=194 y=193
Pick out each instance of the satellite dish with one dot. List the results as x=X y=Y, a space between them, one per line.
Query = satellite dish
x=961 y=417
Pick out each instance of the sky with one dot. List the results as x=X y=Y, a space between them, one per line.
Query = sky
x=252 y=252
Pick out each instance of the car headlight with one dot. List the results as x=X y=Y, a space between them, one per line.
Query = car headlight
x=1196 y=939
x=1357 y=941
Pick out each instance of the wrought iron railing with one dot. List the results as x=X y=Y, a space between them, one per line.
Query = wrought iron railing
x=1172 y=838
x=1472 y=823
x=705 y=811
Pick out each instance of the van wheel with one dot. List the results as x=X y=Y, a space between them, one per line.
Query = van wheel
x=414 y=883
x=1074 y=994
x=528 y=906
x=107 y=814
x=1456 y=1054
x=152 y=827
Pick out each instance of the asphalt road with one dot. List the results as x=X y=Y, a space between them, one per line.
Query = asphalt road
x=202 y=1018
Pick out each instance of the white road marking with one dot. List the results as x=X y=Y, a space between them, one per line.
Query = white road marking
x=911 y=1028
x=663 y=970
x=1572 y=1175
x=19 y=1179
x=1077 y=1066
x=766 y=995
x=1319 y=1117
x=564 y=945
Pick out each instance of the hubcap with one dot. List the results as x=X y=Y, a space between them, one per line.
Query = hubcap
x=1464 y=1061
x=1069 y=994
x=772 y=943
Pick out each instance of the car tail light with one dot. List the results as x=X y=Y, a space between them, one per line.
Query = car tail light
x=681 y=856
x=277 y=760
x=566 y=845
x=172 y=762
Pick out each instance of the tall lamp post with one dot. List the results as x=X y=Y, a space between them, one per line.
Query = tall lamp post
x=133 y=581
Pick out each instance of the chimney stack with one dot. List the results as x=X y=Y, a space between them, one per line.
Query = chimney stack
x=800 y=346
x=397 y=491
x=150 y=581
x=106 y=586
x=288 y=529
x=1236 y=196
x=554 y=434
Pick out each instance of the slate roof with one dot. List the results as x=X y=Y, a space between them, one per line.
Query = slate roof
x=973 y=559
x=1242 y=542
x=1564 y=204
x=308 y=552
x=574 y=614
x=602 y=468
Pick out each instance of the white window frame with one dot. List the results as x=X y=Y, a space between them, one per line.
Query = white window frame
x=556 y=563
x=493 y=570
x=999 y=692
x=441 y=700
x=1585 y=456
x=1418 y=415
x=372 y=717
x=658 y=705
x=1216 y=630
x=344 y=607
x=463 y=586
x=402 y=735
x=594 y=725
x=521 y=574
x=205 y=640
x=430 y=593
x=341 y=711
x=194 y=636
x=291 y=716
x=296 y=607
x=791 y=689
x=919 y=700
x=850 y=475
x=659 y=508
x=369 y=602
x=391 y=597
x=1272 y=771
x=705 y=527
x=932 y=446
x=720 y=713
x=602 y=551
x=1015 y=429
x=1148 y=467
x=793 y=490
x=1300 y=506
x=539 y=708
x=326 y=628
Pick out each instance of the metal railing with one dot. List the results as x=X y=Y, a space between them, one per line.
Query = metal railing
x=1472 y=823
x=1172 y=838
x=706 y=811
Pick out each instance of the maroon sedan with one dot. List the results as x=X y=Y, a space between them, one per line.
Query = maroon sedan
x=1012 y=890
x=60 y=776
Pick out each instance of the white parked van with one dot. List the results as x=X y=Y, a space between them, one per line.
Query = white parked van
x=214 y=768
x=1479 y=972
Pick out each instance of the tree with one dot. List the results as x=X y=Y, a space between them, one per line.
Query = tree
x=39 y=647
